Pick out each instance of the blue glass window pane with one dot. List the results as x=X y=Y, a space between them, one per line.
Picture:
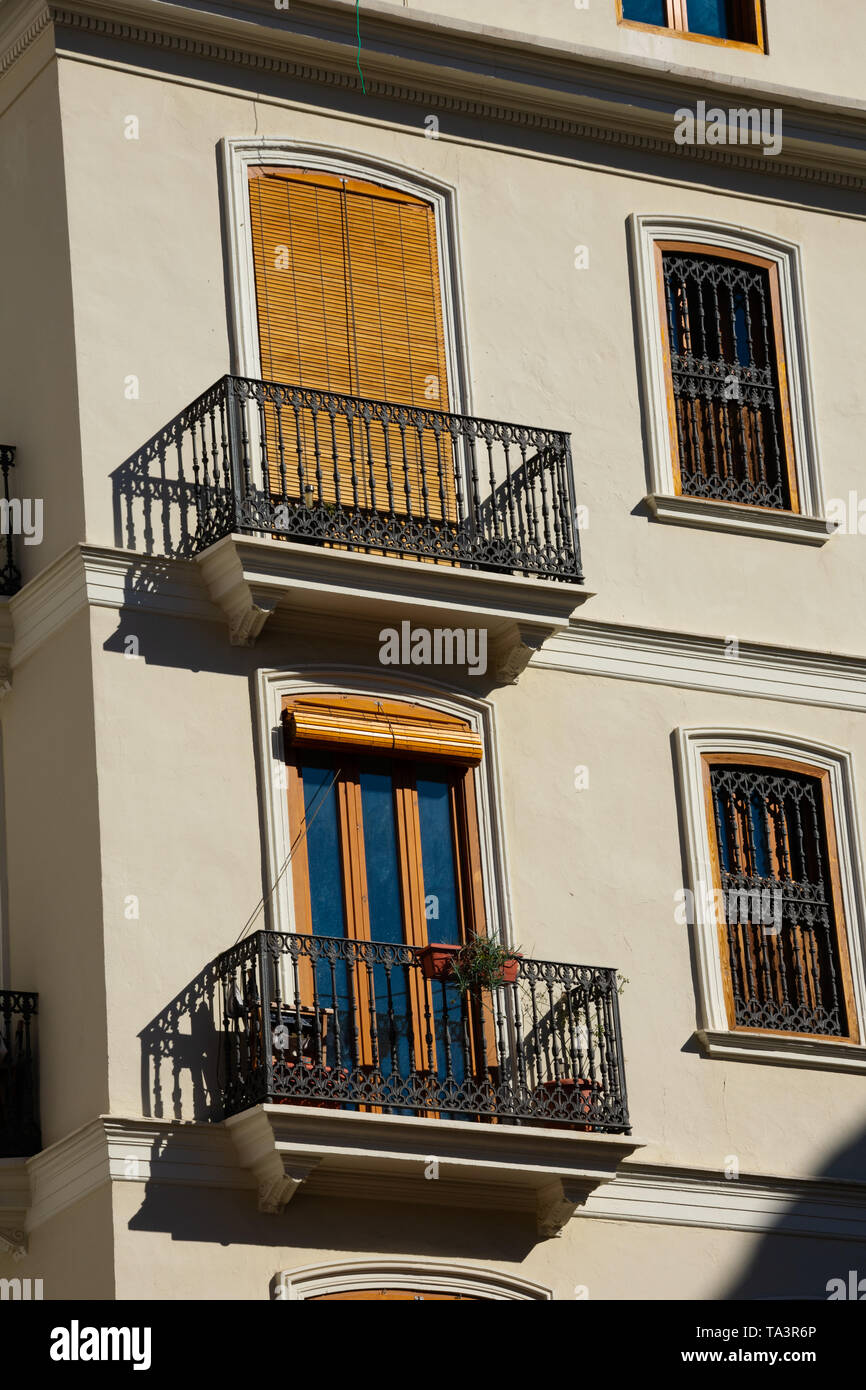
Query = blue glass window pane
x=437 y=855
x=323 y=848
x=709 y=17
x=395 y=1026
x=380 y=850
x=760 y=843
x=440 y=884
x=646 y=11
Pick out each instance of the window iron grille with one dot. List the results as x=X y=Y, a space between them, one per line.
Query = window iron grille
x=783 y=948
x=724 y=367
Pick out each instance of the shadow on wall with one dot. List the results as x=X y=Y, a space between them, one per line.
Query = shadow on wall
x=803 y=1269
x=182 y=1050
x=156 y=492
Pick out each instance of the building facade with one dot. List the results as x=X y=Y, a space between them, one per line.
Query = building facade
x=315 y=660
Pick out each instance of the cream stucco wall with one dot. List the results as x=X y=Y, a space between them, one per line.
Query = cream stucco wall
x=133 y=796
x=215 y=1245
x=594 y=874
x=547 y=344
x=38 y=386
x=811 y=47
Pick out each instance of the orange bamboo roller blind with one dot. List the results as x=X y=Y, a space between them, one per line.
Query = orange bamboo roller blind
x=385 y=726
x=349 y=300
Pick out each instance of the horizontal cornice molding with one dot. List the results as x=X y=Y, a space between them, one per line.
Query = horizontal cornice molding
x=699 y=663
x=479 y=72
x=101 y=577
x=105 y=577
x=199 y=1154
x=822 y=1208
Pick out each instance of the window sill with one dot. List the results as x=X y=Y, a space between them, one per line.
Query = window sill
x=775 y=1050
x=740 y=519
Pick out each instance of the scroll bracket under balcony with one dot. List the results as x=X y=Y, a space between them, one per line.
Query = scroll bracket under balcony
x=556 y=1204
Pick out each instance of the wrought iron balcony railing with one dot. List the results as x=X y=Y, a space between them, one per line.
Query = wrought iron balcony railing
x=357 y=1025
x=290 y=463
x=19 y=1109
x=10 y=574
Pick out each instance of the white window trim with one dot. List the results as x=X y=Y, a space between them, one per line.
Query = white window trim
x=809 y=525
x=238 y=155
x=274 y=685
x=715 y=1035
x=312 y=1281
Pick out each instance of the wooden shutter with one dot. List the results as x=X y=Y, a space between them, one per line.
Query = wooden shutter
x=349 y=300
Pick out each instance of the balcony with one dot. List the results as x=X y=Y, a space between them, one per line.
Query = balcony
x=343 y=1061
x=361 y=504
x=19 y=1108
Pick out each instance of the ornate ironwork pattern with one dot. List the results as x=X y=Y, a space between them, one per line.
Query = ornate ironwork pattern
x=730 y=431
x=312 y=466
x=19 y=1113
x=781 y=929
x=328 y=1021
x=10 y=574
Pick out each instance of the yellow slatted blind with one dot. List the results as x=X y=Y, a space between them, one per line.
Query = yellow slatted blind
x=383 y=726
x=349 y=300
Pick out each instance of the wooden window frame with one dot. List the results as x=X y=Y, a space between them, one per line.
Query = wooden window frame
x=695 y=248
x=808 y=526
x=822 y=777
x=713 y=1033
x=466 y=845
x=752 y=12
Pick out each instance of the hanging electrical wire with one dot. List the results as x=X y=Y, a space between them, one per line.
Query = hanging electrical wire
x=289 y=857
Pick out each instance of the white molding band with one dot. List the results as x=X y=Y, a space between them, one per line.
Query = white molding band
x=271 y=688
x=477 y=71
x=107 y=577
x=104 y=577
x=199 y=1154
x=820 y=1208
x=696 y=662
x=714 y=1032
x=431 y=1276
x=809 y=524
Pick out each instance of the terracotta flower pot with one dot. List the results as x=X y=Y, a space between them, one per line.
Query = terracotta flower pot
x=511 y=970
x=436 y=961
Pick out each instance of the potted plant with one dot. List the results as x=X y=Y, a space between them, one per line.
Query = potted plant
x=481 y=963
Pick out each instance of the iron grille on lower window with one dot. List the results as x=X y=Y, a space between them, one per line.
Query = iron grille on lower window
x=724 y=367
x=782 y=933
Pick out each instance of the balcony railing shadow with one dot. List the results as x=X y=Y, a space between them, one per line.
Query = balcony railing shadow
x=280 y=461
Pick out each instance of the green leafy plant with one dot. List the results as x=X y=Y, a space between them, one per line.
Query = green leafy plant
x=481 y=964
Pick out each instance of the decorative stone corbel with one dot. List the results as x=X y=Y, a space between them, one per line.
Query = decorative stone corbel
x=279 y=1179
x=556 y=1204
x=513 y=654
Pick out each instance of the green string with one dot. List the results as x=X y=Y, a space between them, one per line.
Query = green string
x=358 y=17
